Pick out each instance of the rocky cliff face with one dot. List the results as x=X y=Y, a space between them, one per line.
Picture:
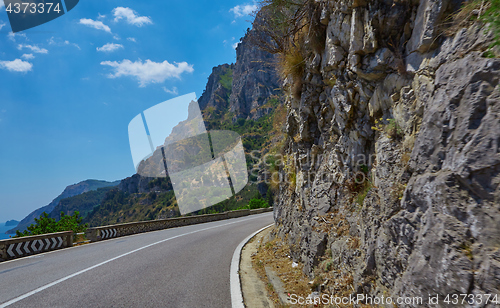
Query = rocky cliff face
x=243 y=88
x=392 y=155
x=216 y=93
x=255 y=80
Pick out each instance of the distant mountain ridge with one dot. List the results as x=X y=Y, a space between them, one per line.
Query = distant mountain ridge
x=11 y=223
x=69 y=191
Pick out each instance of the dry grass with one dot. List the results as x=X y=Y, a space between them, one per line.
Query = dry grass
x=332 y=223
x=80 y=239
x=398 y=191
x=275 y=255
x=292 y=62
x=405 y=158
x=465 y=17
x=399 y=61
x=330 y=82
x=353 y=243
x=329 y=278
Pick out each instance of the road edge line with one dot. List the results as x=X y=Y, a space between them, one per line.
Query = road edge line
x=235 y=283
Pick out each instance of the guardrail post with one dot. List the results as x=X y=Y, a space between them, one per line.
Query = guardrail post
x=69 y=239
x=91 y=234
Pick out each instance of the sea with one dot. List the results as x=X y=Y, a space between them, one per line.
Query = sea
x=3 y=229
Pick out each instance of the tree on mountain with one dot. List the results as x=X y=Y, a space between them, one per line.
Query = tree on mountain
x=257 y=204
x=45 y=224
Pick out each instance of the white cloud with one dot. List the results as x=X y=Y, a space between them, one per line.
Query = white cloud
x=235 y=45
x=33 y=48
x=2 y=24
x=100 y=16
x=243 y=10
x=60 y=42
x=132 y=39
x=131 y=16
x=96 y=24
x=116 y=37
x=17 y=65
x=148 y=71
x=109 y=47
x=174 y=90
x=73 y=44
x=12 y=36
x=28 y=56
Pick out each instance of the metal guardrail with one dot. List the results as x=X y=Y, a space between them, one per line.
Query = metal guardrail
x=30 y=245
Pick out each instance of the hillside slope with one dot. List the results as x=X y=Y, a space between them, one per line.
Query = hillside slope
x=69 y=191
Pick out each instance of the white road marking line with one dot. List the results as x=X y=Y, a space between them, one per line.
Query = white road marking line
x=236 y=294
x=19 y=298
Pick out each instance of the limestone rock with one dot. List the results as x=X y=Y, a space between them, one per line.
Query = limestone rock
x=357 y=31
x=426 y=221
x=429 y=15
x=254 y=79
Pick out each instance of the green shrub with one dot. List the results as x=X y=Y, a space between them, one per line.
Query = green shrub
x=393 y=130
x=492 y=16
x=226 y=80
x=360 y=198
x=487 y=11
x=257 y=204
x=45 y=225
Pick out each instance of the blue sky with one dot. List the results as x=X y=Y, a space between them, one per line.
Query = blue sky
x=70 y=87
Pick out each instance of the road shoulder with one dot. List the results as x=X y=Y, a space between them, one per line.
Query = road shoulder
x=253 y=288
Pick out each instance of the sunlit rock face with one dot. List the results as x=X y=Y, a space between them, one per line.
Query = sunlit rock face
x=255 y=80
x=393 y=146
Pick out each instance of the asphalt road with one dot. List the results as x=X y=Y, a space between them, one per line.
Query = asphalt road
x=179 y=267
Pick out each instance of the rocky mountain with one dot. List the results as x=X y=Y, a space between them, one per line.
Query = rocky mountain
x=69 y=191
x=83 y=203
x=218 y=88
x=245 y=87
x=391 y=158
x=255 y=81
